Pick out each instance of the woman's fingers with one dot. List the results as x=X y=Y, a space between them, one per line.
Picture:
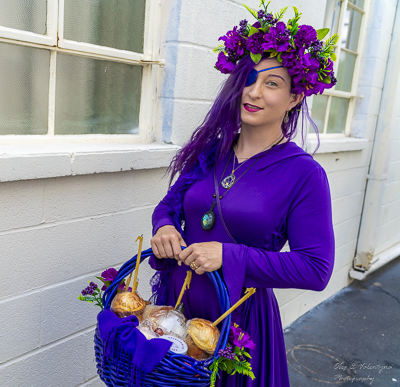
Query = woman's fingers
x=167 y=242
x=202 y=257
x=154 y=247
x=158 y=248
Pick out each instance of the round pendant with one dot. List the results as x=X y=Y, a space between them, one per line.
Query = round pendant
x=228 y=181
x=208 y=220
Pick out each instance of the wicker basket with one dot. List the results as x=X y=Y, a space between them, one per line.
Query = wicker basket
x=174 y=370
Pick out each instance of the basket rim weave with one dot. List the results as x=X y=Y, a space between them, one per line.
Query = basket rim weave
x=174 y=369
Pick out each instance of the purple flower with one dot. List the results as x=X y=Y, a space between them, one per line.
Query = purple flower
x=269 y=17
x=227 y=353
x=240 y=338
x=109 y=274
x=234 y=43
x=316 y=46
x=309 y=69
x=223 y=65
x=309 y=89
x=254 y=43
x=120 y=287
x=305 y=36
x=277 y=38
x=289 y=57
x=260 y=14
x=93 y=285
x=89 y=290
x=243 y=27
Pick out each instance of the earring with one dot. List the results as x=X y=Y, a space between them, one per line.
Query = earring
x=286 y=119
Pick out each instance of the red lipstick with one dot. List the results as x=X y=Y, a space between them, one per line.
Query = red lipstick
x=251 y=108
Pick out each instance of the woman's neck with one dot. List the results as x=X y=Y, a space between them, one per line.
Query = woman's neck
x=251 y=142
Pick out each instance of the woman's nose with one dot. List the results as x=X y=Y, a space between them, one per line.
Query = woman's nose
x=255 y=90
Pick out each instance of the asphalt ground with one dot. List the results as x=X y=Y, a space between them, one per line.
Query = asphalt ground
x=353 y=338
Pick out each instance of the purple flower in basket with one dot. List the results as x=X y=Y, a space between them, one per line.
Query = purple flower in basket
x=89 y=290
x=227 y=353
x=109 y=274
x=121 y=287
x=240 y=338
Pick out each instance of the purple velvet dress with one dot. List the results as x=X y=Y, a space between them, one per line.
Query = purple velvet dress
x=283 y=196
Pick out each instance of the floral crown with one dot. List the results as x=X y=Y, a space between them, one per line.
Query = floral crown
x=298 y=47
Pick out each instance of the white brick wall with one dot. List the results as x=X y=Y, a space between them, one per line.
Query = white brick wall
x=63 y=364
x=389 y=222
x=74 y=228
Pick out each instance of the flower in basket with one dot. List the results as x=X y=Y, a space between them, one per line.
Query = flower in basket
x=234 y=357
x=94 y=294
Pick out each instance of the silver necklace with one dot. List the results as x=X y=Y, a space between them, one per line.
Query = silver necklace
x=231 y=178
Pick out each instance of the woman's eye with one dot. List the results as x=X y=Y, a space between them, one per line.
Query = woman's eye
x=272 y=83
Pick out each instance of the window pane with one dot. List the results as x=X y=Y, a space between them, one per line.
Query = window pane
x=345 y=72
x=338 y=115
x=26 y=15
x=24 y=86
x=358 y=3
x=351 y=29
x=332 y=16
x=318 y=111
x=96 y=96
x=112 y=23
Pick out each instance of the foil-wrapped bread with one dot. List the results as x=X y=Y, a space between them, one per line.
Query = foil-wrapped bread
x=152 y=314
x=202 y=338
x=127 y=304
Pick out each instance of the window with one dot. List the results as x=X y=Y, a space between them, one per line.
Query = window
x=333 y=111
x=73 y=67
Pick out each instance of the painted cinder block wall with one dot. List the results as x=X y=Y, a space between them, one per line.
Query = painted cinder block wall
x=388 y=223
x=56 y=233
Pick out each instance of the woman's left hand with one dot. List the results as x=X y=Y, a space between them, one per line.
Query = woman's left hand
x=202 y=257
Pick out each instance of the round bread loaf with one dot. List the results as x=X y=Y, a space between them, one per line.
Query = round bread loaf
x=202 y=338
x=127 y=304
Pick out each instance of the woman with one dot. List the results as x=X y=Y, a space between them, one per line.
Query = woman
x=241 y=164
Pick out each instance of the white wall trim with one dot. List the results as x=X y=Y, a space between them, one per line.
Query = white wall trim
x=337 y=144
x=26 y=162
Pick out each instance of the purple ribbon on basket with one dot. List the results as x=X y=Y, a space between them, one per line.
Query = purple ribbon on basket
x=121 y=339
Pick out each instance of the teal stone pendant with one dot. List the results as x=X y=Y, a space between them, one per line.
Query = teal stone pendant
x=208 y=219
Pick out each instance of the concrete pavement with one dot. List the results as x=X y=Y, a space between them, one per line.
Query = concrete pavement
x=353 y=338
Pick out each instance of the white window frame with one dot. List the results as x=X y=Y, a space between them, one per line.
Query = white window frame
x=352 y=95
x=149 y=60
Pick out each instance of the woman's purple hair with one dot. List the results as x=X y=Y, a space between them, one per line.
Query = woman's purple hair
x=214 y=137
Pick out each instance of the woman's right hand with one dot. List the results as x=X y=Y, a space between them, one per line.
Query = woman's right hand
x=167 y=242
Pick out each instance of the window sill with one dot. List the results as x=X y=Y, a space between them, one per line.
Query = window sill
x=34 y=161
x=337 y=144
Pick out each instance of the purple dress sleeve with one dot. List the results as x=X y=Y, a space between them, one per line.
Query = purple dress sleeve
x=161 y=215
x=309 y=263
